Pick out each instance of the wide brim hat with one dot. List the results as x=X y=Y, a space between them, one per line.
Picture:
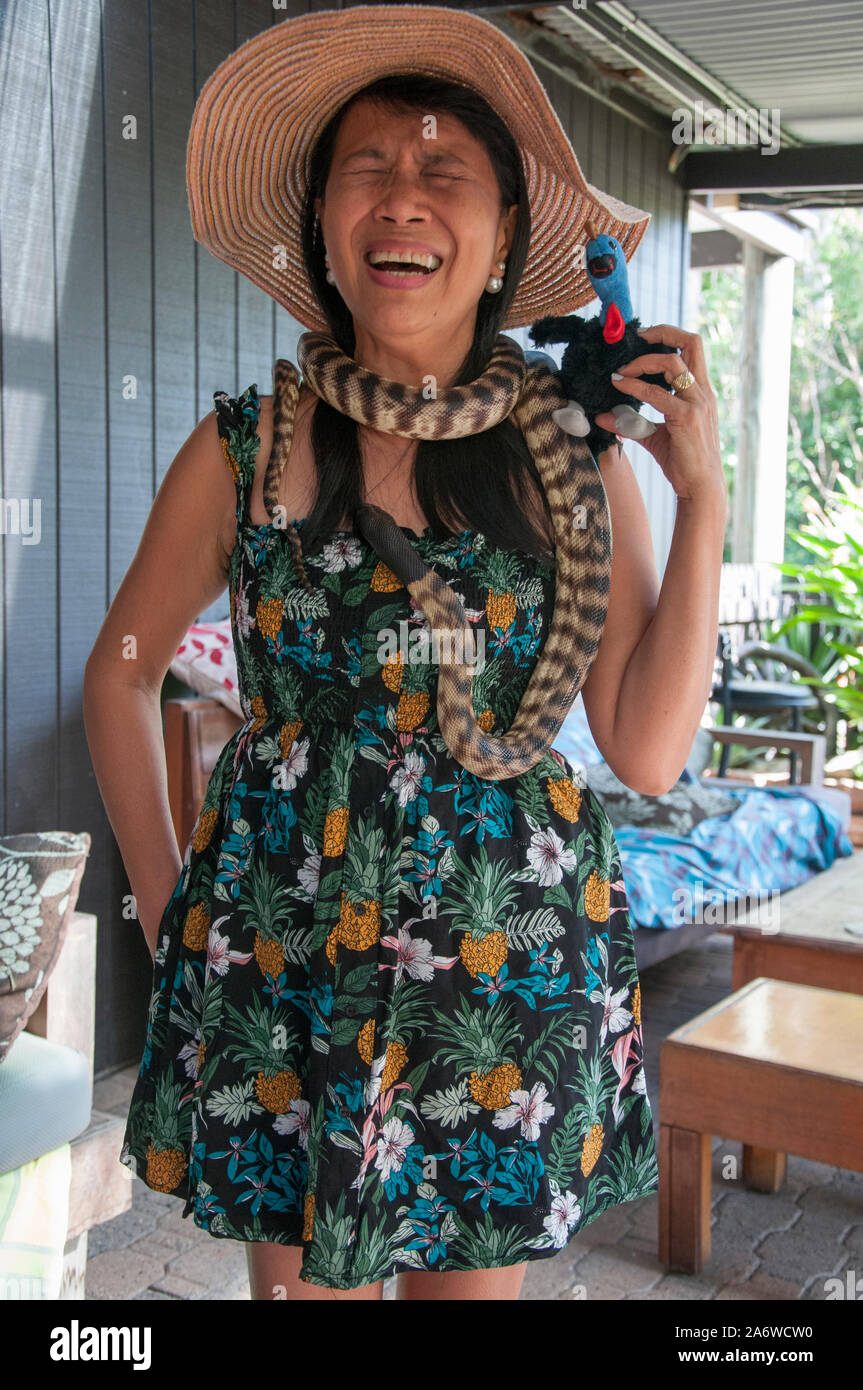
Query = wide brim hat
x=259 y=114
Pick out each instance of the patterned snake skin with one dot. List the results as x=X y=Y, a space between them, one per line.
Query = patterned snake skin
x=580 y=515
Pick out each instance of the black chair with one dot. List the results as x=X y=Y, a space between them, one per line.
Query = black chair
x=747 y=685
x=752 y=675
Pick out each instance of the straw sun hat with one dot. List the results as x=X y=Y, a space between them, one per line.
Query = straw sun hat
x=258 y=116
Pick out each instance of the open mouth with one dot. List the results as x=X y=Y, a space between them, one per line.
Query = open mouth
x=399 y=266
x=600 y=266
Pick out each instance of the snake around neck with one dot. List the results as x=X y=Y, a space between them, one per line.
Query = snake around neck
x=580 y=516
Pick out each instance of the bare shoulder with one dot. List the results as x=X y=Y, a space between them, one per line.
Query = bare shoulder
x=199 y=488
x=180 y=565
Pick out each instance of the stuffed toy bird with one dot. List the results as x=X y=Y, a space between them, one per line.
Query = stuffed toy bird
x=595 y=348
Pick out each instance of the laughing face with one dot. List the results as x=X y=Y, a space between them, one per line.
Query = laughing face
x=413 y=228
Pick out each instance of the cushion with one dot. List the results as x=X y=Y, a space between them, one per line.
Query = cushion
x=677 y=811
x=776 y=839
x=40 y=875
x=46 y=1093
x=206 y=661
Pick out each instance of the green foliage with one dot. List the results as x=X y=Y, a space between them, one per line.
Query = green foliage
x=825 y=418
x=826 y=398
x=831 y=586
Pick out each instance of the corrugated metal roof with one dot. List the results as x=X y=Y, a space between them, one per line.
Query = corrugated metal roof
x=607 y=56
x=804 y=57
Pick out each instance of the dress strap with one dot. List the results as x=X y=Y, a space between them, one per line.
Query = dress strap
x=237 y=421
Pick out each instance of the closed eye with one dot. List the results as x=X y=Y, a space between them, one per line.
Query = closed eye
x=431 y=174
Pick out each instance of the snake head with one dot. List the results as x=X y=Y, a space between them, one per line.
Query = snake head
x=390 y=542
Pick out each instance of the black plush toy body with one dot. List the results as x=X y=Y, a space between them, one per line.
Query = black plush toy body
x=597 y=347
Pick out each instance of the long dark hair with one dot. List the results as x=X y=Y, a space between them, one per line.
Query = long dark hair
x=476 y=481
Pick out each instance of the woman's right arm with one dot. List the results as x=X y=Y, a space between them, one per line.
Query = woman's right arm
x=179 y=569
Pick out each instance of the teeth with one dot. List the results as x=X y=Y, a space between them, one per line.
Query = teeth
x=405 y=258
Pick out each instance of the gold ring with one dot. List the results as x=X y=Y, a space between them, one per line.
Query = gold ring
x=683 y=381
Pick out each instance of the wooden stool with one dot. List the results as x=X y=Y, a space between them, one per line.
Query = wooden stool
x=776 y=1065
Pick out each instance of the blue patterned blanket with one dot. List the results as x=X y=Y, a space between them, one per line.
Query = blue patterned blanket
x=776 y=839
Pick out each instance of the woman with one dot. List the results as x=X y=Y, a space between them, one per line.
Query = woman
x=395 y=1023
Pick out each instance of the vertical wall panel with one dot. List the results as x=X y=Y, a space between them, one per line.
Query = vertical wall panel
x=177 y=76
x=255 y=311
x=215 y=283
x=128 y=117
x=83 y=476
x=29 y=430
x=286 y=329
x=175 y=411
x=129 y=279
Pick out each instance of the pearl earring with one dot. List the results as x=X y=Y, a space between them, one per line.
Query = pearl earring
x=495 y=282
x=331 y=279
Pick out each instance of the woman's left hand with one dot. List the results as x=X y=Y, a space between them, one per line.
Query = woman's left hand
x=686 y=443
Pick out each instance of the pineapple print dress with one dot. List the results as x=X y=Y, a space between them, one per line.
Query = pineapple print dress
x=395 y=1014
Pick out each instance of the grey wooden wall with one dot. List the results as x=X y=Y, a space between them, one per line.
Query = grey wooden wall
x=115 y=330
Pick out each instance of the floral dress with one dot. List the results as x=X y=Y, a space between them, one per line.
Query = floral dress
x=395 y=1014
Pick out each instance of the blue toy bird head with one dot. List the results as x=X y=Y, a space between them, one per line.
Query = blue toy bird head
x=606 y=270
x=606 y=267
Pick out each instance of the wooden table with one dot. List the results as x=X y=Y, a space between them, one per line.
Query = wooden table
x=811 y=945
x=775 y=1064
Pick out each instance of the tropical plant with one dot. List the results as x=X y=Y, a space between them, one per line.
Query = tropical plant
x=825 y=410
x=830 y=589
x=825 y=415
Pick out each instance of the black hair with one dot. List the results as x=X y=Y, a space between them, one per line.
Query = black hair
x=477 y=481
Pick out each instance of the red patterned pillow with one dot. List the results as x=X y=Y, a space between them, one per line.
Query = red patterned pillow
x=206 y=661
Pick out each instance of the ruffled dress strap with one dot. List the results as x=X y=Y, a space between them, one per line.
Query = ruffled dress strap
x=237 y=423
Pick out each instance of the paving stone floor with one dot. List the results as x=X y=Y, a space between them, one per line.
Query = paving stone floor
x=774 y=1247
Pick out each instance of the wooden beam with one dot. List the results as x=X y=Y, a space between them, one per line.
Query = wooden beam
x=767 y=230
x=808 y=167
